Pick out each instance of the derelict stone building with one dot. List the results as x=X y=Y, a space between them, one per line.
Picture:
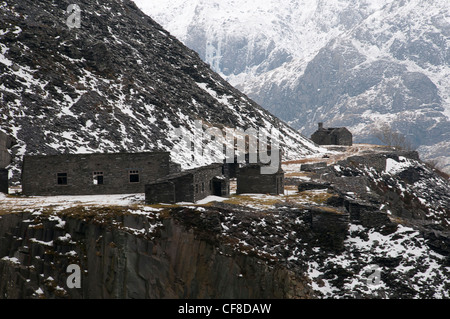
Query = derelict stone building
x=189 y=186
x=332 y=136
x=250 y=180
x=92 y=174
x=5 y=160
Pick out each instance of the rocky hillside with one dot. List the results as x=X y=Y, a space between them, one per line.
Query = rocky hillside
x=119 y=82
x=347 y=63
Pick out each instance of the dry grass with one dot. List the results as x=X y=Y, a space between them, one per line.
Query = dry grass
x=253 y=200
x=308 y=160
x=292 y=198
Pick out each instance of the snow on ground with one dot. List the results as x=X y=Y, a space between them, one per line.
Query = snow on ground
x=15 y=202
x=210 y=199
x=59 y=203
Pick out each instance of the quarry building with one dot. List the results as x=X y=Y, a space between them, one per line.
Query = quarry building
x=332 y=136
x=151 y=173
x=250 y=180
x=189 y=186
x=92 y=174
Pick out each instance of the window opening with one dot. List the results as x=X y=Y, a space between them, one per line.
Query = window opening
x=134 y=176
x=98 y=178
x=62 y=178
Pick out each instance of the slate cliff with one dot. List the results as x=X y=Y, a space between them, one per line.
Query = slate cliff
x=182 y=258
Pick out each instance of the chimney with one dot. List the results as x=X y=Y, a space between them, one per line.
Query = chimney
x=320 y=126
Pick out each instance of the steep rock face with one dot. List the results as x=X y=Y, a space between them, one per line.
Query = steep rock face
x=120 y=82
x=178 y=260
x=347 y=63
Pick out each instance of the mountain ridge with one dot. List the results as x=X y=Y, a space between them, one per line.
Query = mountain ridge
x=401 y=78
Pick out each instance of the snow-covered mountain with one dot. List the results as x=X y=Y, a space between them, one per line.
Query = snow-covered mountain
x=356 y=63
x=119 y=82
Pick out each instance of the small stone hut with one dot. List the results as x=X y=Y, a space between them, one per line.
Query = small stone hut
x=188 y=186
x=92 y=174
x=332 y=136
x=250 y=180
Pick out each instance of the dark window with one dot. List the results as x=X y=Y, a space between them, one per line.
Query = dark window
x=196 y=188
x=62 y=178
x=134 y=176
x=98 y=178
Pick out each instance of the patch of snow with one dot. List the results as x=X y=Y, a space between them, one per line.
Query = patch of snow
x=393 y=167
x=210 y=199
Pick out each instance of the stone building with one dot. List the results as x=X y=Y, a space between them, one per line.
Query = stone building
x=332 y=136
x=188 y=186
x=5 y=160
x=92 y=174
x=250 y=180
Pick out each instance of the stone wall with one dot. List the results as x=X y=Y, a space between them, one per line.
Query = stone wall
x=39 y=175
x=251 y=181
x=160 y=192
x=4 y=181
x=5 y=144
x=189 y=186
x=378 y=161
x=333 y=136
x=312 y=167
x=203 y=181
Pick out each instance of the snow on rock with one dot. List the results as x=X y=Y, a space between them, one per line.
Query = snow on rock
x=100 y=100
x=385 y=61
x=393 y=167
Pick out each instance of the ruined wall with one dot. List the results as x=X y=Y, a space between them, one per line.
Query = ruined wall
x=5 y=144
x=39 y=175
x=251 y=181
x=336 y=136
x=4 y=181
x=203 y=178
x=190 y=186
